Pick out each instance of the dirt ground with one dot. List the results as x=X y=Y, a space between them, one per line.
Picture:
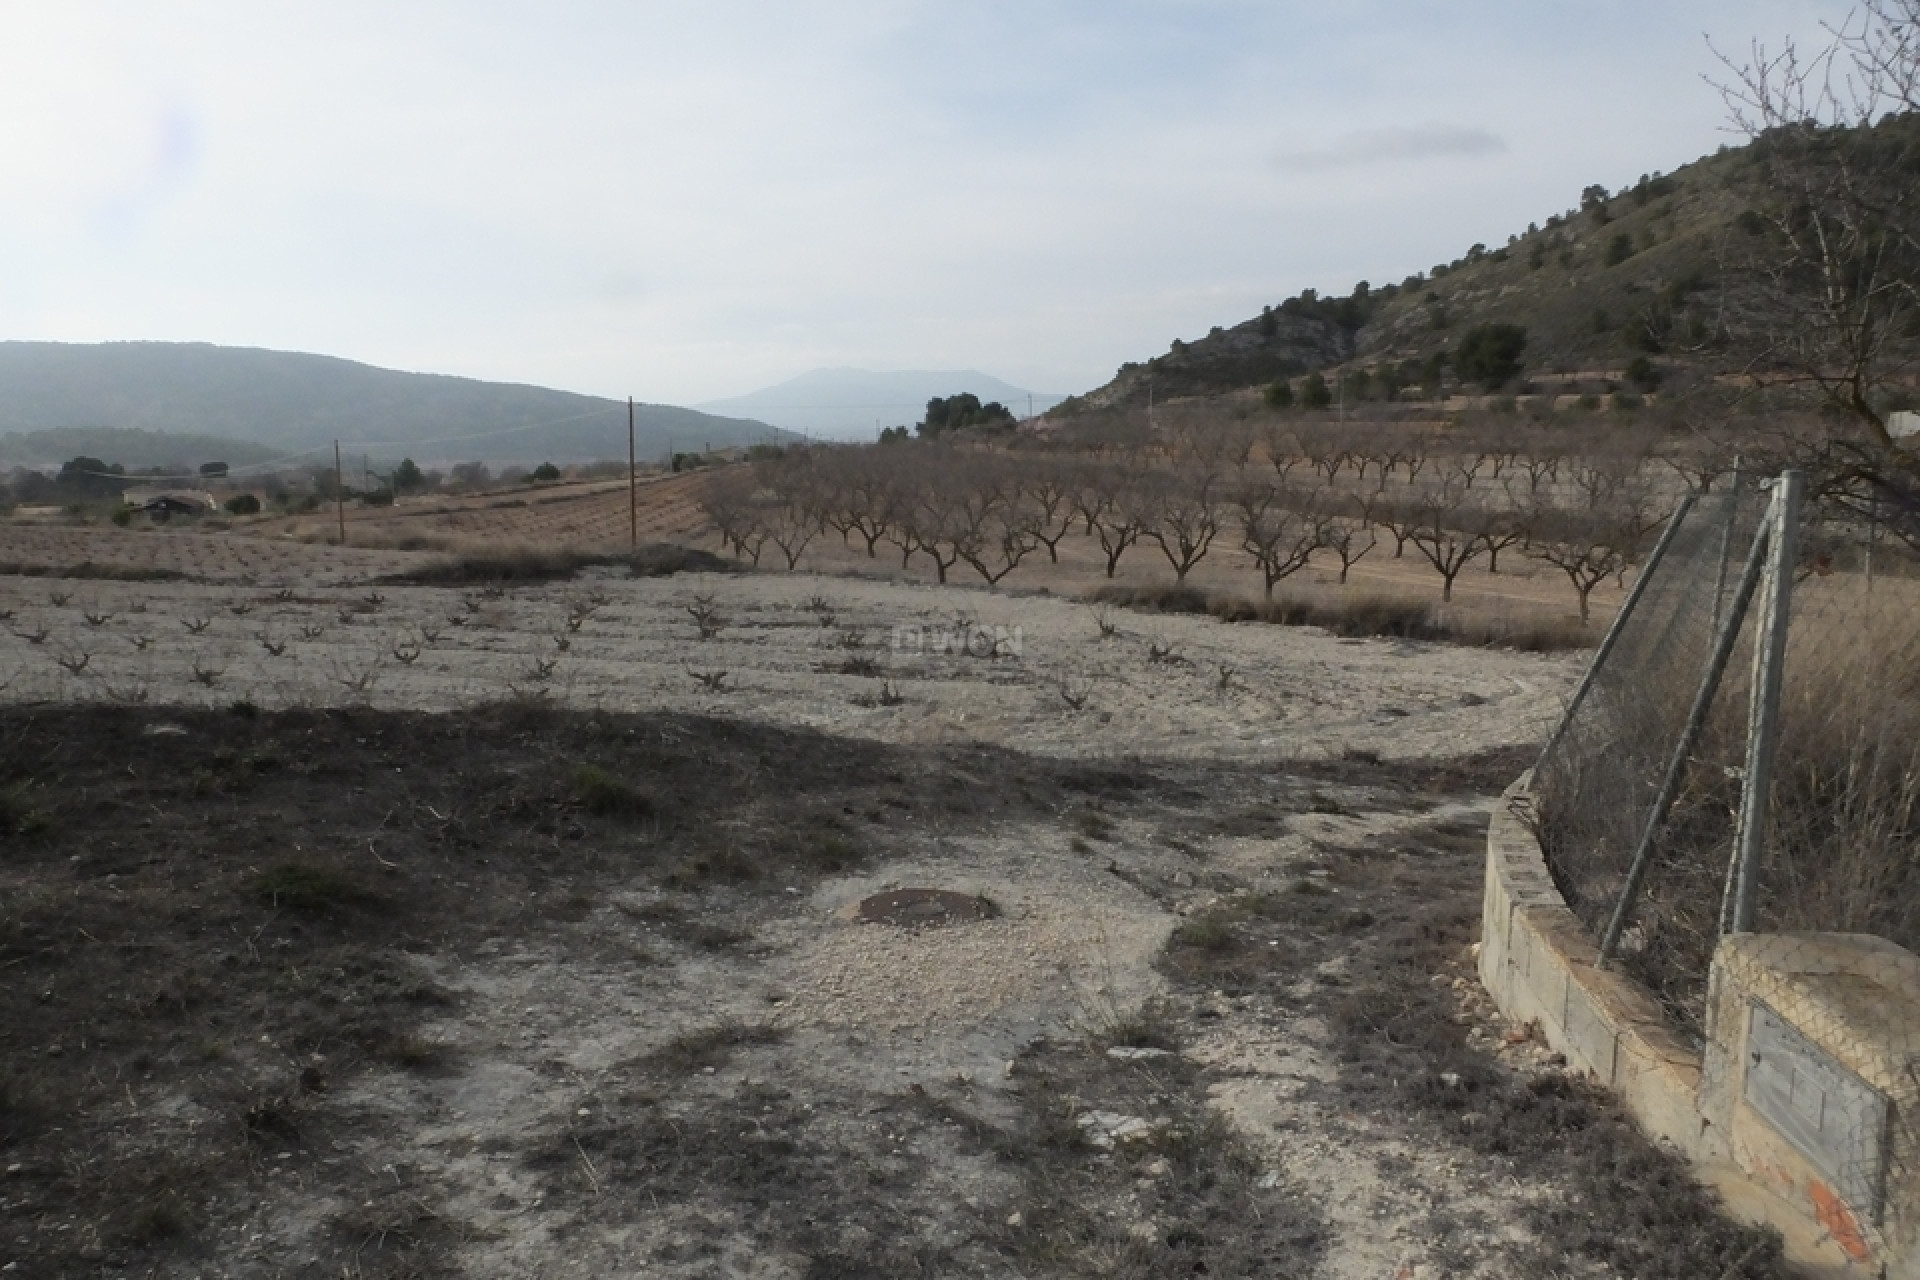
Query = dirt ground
x=379 y=930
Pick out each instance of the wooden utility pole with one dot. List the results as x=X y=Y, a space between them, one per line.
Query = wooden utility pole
x=339 y=494
x=633 y=486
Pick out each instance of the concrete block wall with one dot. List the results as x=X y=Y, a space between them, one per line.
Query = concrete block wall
x=1855 y=999
x=1539 y=964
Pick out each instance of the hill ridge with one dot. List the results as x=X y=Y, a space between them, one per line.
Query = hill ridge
x=300 y=401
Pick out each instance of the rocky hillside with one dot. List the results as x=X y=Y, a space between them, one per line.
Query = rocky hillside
x=1618 y=275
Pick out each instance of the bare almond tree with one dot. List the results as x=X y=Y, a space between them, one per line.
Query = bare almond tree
x=1589 y=546
x=727 y=499
x=1115 y=511
x=1500 y=522
x=1049 y=502
x=1280 y=528
x=1281 y=447
x=1185 y=515
x=1350 y=535
x=1443 y=532
x=1400 y=516
x=989 y=523
x=855 y=495
x=927 y=512
x=791 y=525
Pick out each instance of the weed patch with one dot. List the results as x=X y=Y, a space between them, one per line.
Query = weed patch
x=599 y=792
x=305 y=886
x=710 y=1047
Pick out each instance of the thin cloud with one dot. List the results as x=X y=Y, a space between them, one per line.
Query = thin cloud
x=1393 y=146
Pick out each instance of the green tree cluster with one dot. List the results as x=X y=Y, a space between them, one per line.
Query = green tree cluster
x=407 y=477
x=956 y=412
x=86 y=477
x=1490 y=354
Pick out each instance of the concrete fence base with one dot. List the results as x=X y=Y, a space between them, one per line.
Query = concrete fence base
x=1804 y=1031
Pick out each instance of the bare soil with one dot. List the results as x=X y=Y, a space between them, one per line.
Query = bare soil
x=462 y=972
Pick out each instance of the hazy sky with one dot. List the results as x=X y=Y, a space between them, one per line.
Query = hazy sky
x=685 y=201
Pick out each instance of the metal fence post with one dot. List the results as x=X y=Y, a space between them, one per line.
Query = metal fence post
x=1763 y=711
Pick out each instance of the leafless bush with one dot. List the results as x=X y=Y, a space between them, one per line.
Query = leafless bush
x=1165 y=653
x=712 y=681
x=706 y=616
x=1075 y=693
x=357 y=680
x=197 y=624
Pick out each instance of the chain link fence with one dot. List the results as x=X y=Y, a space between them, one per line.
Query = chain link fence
x=1596 y=785
x=1638 y=802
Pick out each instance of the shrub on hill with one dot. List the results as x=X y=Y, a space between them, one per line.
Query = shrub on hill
x=1490 y=354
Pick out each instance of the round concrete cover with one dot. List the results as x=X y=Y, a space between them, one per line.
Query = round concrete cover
x=916 y=908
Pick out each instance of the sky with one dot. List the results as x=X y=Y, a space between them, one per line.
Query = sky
x=682 y=202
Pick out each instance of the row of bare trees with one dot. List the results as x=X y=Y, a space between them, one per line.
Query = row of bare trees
x=990 y=511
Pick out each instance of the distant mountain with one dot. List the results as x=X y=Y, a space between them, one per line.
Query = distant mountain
x=291 y=402
x=852 y=404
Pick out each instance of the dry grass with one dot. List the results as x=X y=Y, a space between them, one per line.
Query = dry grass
x=1846 y=788
x=1360 y=616
x=467 y=560
x=1844 y=810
